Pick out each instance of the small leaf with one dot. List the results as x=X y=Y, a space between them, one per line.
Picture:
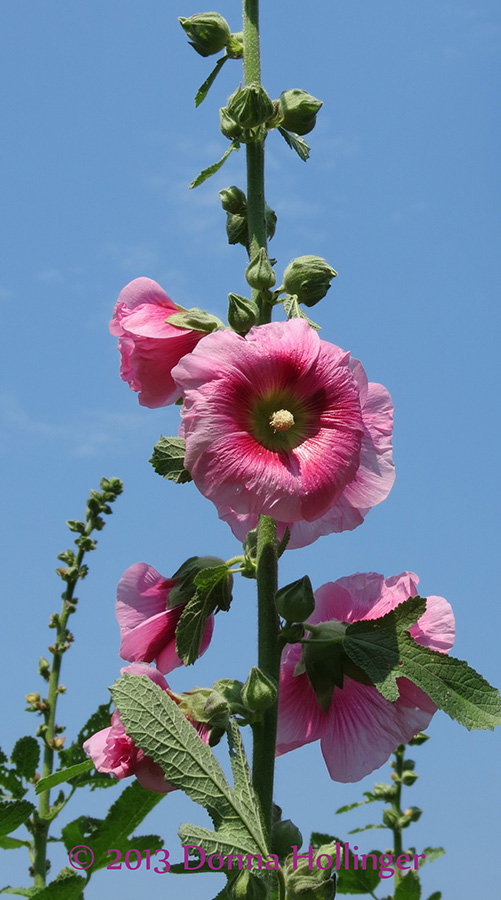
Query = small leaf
x=14 y=813
x=67 y=886
x=45 y=784
x=212 y=593
x=168 y=459
x=350 y=806
x=409 y=888
x=294 y=311
x=204 y=88
x=437 y=895
x=431 y=854
x=9 y=843
x=21 y=892
x=296 y=143
x=211 y=170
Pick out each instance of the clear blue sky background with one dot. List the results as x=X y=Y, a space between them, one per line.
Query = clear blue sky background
x=100 y=139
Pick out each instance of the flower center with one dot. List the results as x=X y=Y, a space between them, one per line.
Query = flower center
x=281 y=420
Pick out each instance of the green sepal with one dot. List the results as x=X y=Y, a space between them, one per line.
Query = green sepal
x=296 y=143
x=168 y=459
x=196 y=320
x=26 y=756
x=211 y=170
x=295 y=601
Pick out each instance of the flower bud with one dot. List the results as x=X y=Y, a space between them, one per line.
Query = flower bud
x=230 y=689
x=208 y=32
x=248 y=887
x=233 y=200
x=309 y=278
x=259 y=692
x=298 y=110
x=411 y=815
x=237 y=229
x=259 y=273
x=419 y=739
x=284 y=836
x=230 y=128
x=242 y=313
x=409 y=778
x=249 y=106
x=295 y=602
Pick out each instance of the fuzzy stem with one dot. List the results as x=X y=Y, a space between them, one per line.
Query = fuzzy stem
x=263 y=759
x=256 y=206
x=397 y=800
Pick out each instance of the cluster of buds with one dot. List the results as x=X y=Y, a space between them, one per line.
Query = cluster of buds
x=247 y=109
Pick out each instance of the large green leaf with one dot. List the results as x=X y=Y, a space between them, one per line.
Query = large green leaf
x=14 y=813
x=26 y=756
x=385 y=651
x=168 y=459
x=154 y=722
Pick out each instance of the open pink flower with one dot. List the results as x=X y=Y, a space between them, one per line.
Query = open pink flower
x=112 y=751
x=282 y=423
x=360 y=729
x=148 y=345
x=147 y=623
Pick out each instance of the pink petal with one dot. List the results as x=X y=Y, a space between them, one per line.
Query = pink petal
x=300 y=719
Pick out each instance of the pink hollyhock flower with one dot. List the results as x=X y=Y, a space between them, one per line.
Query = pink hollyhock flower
x=147 y=623
x=112 y=751
x=282 y=423
x=360 y=729
x=148 y=345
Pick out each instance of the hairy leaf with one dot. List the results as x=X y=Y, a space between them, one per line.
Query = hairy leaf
x=296 y=143
x=45 y=784
x=205 y=87
x=67 y=886
x=293 y=311
x=14 y=813
x=168 y=459
x=213 y=592
x=211 y=170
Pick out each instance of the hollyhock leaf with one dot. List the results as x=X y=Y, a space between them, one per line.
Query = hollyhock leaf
x=128 y=811
x=14 y=813
x=294 y=311
x=374 y=645
x=168 y=459
x=197 y=320
x=211 y=170
x=242 y=780
x=437 y=895
x=67 y=886
x=296 y=143
x=45 y=784
x=156 y=725
x=409 y=888
x=431 y=854
x=205 y=87
x=8 y=843
x=456 y=688
x=365 y=828
x=358 y=881
x=213 y=592
x=26 y=756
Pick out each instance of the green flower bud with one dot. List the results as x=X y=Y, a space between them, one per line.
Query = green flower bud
x=237 y=229
x=411 y=815
x=409 y=778
x=259 y=273
x=233 y=200
x=208 y=32
x=391 y=818
x=230 y=689
x=298 y=110
x=309 y=278
x=259 y=692
x=248 y=887
x=242 y=313
x=295 y=602
x=419 y=739
x=230 y=128
x=284 y=836
x=250 y=106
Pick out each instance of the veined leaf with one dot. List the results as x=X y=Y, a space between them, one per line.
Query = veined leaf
x=168 y=459
x=293 y=311
x=14 y=813
x=211 y=170
x=409 y=888
x=204 y=88
x=295 y=142
x=212 y=593
x=26 y=756
x=45 y=784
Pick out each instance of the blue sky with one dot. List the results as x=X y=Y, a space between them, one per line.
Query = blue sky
x=401 y=195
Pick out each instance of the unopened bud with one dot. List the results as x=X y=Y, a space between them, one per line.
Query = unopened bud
x=284 y=836
x=229 y=126
x=419 y=739
x=248 y=887
x=259 y=273
x=250 y=106
x=242 y=313
x=309 y=278
x=259 y=692
x=237 y=228
x=295 y=602
x=233 y=200
x=32 y=698
x=298 y=110
x=208 y=32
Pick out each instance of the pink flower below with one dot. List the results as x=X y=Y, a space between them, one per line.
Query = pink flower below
x=113 y=752
x=360 y=729
x=147 y=624
x=284 y=424
x=150 y=347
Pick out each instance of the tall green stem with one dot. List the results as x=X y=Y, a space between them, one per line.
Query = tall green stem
x=263 y=760
x=397 y=800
